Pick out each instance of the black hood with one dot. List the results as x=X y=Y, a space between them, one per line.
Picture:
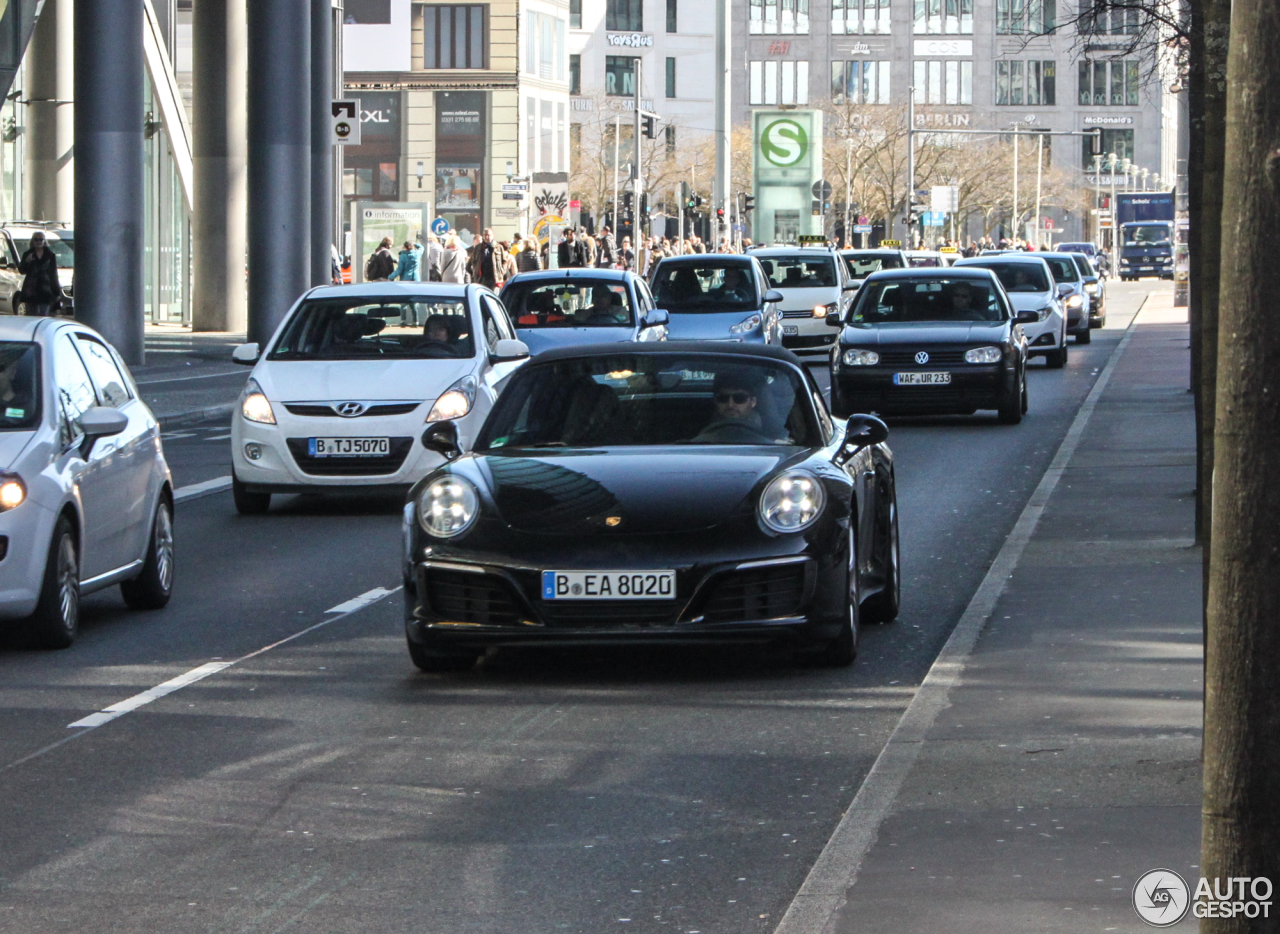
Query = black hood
x=926 y=332
x=654 y=490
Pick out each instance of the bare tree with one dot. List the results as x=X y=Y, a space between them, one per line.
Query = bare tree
x=1241 y=811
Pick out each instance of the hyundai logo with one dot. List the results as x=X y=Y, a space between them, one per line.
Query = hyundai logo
x=922 y=358
x=349 y=409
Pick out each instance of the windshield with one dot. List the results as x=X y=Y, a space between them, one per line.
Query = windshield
x=1086 y=248
x=919 y=261
x=800 y=272
x=63 y=247
x=1083 y=264
x=652 y=399
x=19 y=386
x=1063 y=269
x=579 y=303
x=362 y=328
x=861 y=265
x=1018 y=277
x=1147 y=235
x=907 y=300
x=705 y=287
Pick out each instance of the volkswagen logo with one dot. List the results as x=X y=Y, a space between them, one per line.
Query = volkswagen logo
x=922 y=358
x=349 y=409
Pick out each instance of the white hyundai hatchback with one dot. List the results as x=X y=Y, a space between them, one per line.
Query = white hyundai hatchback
x=86 y=497
x=343 y=392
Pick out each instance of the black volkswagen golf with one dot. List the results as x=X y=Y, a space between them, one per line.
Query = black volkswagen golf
x=653 y=492
x=921 y=341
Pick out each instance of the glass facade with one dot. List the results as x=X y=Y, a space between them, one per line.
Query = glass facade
x=1032 y=83
x=166 y=251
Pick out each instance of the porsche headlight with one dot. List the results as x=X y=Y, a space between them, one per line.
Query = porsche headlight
x=983 y=355
x=792 y=502
x=746 y=325
x=1075 y=301
x=447 y=506
x=13 y=492
x=254 y=405
x=860 y=358
x=454 y=402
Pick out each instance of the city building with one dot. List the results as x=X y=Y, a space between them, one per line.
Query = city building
x=458 y=100
x=982 y=66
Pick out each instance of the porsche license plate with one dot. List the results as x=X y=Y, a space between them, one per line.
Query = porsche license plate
x=349 y=447
x=791 y=330
x=921 y=379
x=608 y=585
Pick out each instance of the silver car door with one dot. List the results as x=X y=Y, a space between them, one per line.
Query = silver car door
x=135 y=447
x=495 y=326
x=100 y=525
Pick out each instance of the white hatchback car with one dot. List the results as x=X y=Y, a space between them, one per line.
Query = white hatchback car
x=813 y=284
x=86 y=497
x=341 y=395
x=1028 y=281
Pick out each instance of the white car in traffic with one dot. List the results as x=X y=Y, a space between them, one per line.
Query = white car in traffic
x=341 y=395
x=86 y=497
x=1029 y=283
x=813 y=284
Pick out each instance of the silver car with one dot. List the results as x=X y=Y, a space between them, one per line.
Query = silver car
x=86 y=497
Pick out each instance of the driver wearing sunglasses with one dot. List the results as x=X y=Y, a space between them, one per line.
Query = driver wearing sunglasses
x=734 y=416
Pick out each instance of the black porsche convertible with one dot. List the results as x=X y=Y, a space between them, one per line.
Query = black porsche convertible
x=653 y=492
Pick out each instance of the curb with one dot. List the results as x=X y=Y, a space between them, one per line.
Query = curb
x=194 y=416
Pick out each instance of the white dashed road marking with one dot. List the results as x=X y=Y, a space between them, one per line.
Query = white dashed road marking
x=196 y=490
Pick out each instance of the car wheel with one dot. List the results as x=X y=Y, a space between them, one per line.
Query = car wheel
x=248 y=504
x=1011 y=413
x=19 y=306
x=839 y=408
x=1085 y=337
x=427 y=660
x=57 y=617
x=1056 y=359
x=151 y=589
x=883 y=607
x=843 y=649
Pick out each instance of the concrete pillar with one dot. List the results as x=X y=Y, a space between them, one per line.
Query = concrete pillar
x=109 y=76
x=321 y=148
x=51 y=115
x=279 y=160
x=220 y=60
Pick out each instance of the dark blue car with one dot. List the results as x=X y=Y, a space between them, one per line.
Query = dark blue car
x=568 y=307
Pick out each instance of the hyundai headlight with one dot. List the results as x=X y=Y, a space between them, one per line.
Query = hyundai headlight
x=13 y=492
x=454 y=402
x=861 y=358
x=1075 y=301
x=447 y=506
x=746 y=325
x=792 y=502
x=983 y=355
x=254 y=405
x=1043 y=313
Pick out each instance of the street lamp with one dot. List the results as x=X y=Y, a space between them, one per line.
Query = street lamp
x=848 y=169
x=1115 y=214
x=1145 y=173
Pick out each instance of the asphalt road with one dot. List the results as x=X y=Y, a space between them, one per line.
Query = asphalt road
x=324 y=785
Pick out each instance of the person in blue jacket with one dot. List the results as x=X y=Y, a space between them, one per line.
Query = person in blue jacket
x=410 y=263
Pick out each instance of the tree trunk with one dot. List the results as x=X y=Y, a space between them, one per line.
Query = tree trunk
x=1207 y=82
x=1241 y=811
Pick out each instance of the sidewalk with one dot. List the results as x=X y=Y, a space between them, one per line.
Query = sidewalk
x=1059 y=759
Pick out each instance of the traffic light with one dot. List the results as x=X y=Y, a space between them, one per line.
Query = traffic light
x=649 y=125
x=720 y=213
x=748 y=203
x=698 y=201
x=644 y=204
x=917 y=205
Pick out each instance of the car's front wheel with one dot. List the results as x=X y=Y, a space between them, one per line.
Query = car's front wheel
x=1056 y=359
x=883 y=607
x=248 y=504
x=1011 y=412
x=1085 y=336
x=151 y=589
x=57 y=617
x=843 y=649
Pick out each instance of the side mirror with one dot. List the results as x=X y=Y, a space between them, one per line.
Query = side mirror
x=862 y=431
x=442 y=437
x=1025 y=317
x=655 y=318
x=772 y=296
x=851 y=286
x=246 y=354
x=508 y=349
x=1064 y=288
x=100 y=421
x=833 y=319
